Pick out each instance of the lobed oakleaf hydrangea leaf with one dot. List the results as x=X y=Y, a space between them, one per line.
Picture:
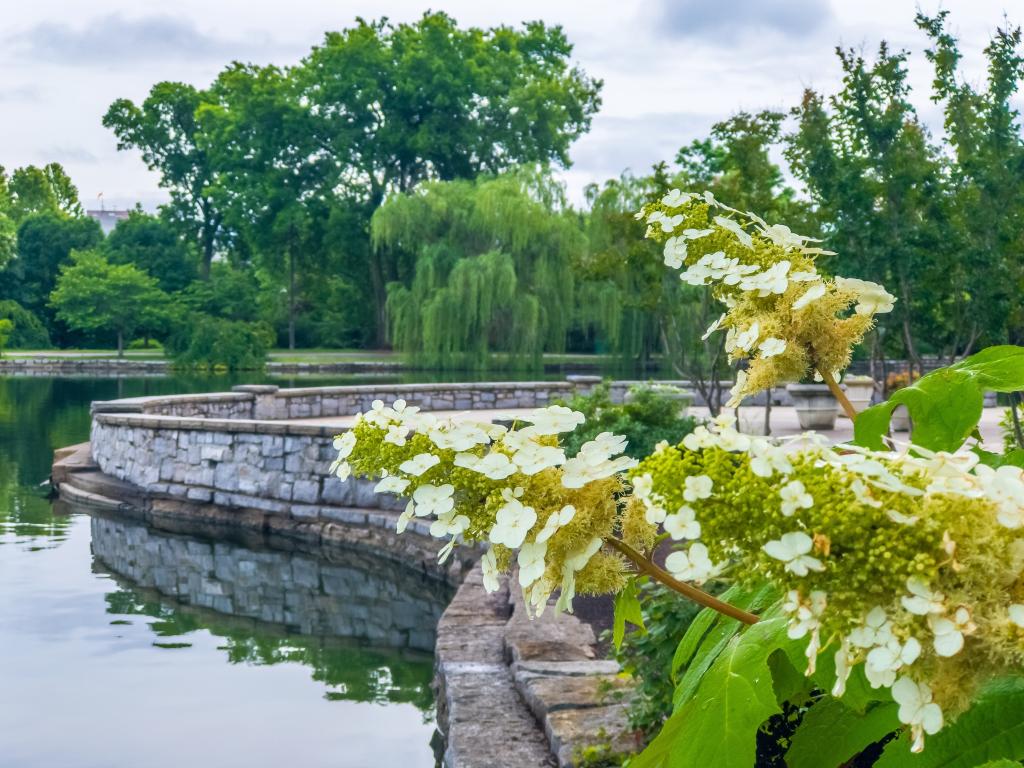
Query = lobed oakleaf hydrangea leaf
x=991 y=730
x=945 y=405
x=831 y=733
x=718 y=724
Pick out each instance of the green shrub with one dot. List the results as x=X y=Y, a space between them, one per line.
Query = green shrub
x=28 y=331
x=6 y=328
x=651 y=415
x=214 y=343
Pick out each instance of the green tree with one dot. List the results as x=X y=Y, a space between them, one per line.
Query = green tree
x=6 y=329
x=94 y=295
x=45 y=242
x=154 y=246
x=489 y=269
x=28 y=332
x=230 y=293
x=399 y=104
x=986 y=177
x=877 y=181
x=165 y=131
x=42 y=190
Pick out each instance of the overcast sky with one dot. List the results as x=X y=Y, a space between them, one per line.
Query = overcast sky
x=671 y=68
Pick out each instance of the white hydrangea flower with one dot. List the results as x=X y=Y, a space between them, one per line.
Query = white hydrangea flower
x=775 y=279
x=458 y=436
x=396 y=434
x=766 y=459
x=844 y=665
x=884 y=661
x=875 y=630
x=922 y=600
x=552 y=420
x=736 y=394
x=917 y=710
x=871 y=297
x=696 y=234
x=405 y=517
x=683 y=524
x=792 y=549
x=531 y=562
x=949 y=632
x=794 y=496
x=700 y=438
x=556 y=520
x=513 y=521
x=669 y=223
x=495 y=466
x=676 y=198
x=697 y=487
x=419 y=464
x=434 y=499
x=391 y=484
x=771 y=347
x=900 y=518
x=812 y=294
x=533 y=458
x=344 y=444
x=746 y=340
x=804 y=277
x=342 y=469
x=731 y=440
x=692 y=565
x=805 y=619
x=489 y=570
x=449 y=524
x=712 y=328
x=1005 y=486
x=594 y=461
x=675 y=252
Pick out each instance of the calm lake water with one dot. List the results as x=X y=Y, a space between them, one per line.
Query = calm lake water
x=126 y=647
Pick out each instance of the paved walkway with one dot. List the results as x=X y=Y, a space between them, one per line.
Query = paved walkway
x=783 y=422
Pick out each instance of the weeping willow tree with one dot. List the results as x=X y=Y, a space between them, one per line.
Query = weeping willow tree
x=489 y=270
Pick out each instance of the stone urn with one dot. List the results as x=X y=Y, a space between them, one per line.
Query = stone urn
x=859 y=391
x=815 y=406
x=900 y=421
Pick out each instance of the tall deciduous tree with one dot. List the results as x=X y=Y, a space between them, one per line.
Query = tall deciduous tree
x=94 y=295
x=987 y=184
x=154 y=246
x=45 y=241
x=877 y=181
x=165 y=131
x=395 y=105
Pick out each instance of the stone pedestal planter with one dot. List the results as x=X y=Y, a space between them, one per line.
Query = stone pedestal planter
x=900 y=419
x=815 y=406
x=859 y=390
x=751 y=422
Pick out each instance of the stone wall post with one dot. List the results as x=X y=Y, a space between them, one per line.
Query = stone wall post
x=264 y=404
x=583 y=385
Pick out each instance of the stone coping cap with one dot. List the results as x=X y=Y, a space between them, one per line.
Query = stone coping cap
x=250 y=426
x=139 y=404
x=463 y=386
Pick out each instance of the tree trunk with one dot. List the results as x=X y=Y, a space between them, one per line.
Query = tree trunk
x=120 y=343
x=291 y=298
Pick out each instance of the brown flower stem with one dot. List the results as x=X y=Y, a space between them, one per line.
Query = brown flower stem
x=838 y=393
x=687 y=590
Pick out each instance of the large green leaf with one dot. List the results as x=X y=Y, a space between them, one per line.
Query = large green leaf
x=945 y=406
x=710 y=633
x=627 y=608
x=717 y=726
x=831 y=733
x=992 y=729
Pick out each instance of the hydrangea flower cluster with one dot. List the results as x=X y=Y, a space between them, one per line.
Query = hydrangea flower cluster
x=782 y=315
x=513 y=489
x=908 y=563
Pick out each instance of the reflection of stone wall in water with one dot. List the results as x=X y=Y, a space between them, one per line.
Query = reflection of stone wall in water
x=361 y=597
